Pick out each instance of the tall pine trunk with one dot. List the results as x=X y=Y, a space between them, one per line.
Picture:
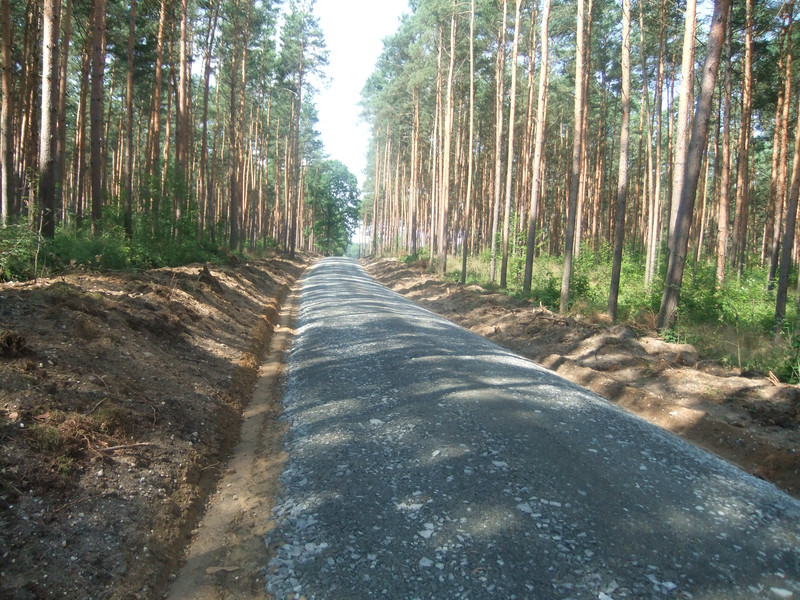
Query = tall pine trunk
x=512 y=120
x=622 y=178
x=6 y=116
x=444 y=188
x=500 y=75
x=48 y=121
x=128 y=166
x=743 y=161
x=536 y=174
x=470 y=153
x=96 y=109
x=694 y=160
x=577 y=152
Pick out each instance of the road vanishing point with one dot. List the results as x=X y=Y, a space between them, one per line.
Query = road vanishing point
x=426 y=462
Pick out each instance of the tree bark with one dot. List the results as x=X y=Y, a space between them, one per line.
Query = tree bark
x=498 y=140
x=61 y=125
x=622 y=178
x=48 y=121
x=512 y=119
x=97 y=109
x=6 y=117
x=205 y=204
x=577 y=151
x=743 y=160
x=788 y=236
x=536 y=174
x=780 y=188
x=128 y=167
x=677 y=258
x=723 y=206
x=683 y=125
x=470 y=154
x=444 y=188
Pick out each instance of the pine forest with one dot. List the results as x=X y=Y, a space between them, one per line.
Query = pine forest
x=635 y=158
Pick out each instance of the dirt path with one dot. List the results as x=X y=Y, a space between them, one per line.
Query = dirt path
x=751 y=421
x=227 y=555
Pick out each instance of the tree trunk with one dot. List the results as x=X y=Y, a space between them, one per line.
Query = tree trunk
x=61 y=125
x=470 y=153
x=694 y=159
x=622 y=179
x=498 y=140
x=48 y=122
x=97 y=109
x=152 y=158
x=788 y=236
x=723 y=206
x=444 y=201
x=205 y=191
x=780 y=188
x=182 y=125
x=743 y=162
x=129 y=151
x=234 y=188
x=536 y=174
x=6 y=122
x=683 y=124
x=510 y=154
x=577 y=151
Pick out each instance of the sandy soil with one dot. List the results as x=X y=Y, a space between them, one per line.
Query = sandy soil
x=121 y=396
x=750 y=421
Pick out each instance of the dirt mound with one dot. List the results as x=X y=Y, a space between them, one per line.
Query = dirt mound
x=751 y=421
x=121 y=396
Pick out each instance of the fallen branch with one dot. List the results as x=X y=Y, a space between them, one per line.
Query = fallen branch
x=123 y=446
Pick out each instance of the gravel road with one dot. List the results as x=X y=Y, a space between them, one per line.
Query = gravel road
x=427 y=462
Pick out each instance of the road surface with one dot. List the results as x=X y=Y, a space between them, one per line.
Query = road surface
x=426 y=462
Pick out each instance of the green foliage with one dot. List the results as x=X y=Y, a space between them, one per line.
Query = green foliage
x=23 y=257
x=18 y=245
x=334 y=198
x=423 y=254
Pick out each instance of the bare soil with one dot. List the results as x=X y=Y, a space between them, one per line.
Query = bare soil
x=121 y=396
x=750 y=420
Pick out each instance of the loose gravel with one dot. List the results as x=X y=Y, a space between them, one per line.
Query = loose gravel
x=427 y=462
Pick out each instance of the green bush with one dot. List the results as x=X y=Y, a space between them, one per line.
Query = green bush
x=18 y=252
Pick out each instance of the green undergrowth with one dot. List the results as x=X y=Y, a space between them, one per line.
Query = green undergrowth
x=732 y=324
x=25 y=255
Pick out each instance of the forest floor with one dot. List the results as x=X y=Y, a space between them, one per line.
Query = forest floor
x=121 y=396
x=752 y=421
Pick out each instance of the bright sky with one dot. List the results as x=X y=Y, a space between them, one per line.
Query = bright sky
x=354 y=32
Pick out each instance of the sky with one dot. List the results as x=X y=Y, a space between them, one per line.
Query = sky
x=354 y=31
